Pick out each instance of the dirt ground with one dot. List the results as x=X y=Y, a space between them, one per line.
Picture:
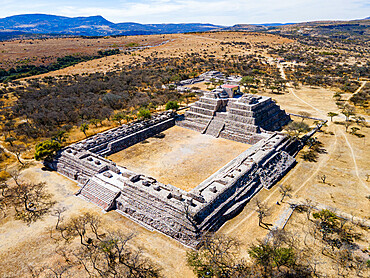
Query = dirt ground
x=183 y=158
x=23 y=245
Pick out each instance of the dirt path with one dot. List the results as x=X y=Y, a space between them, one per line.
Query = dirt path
x=354 y=161
x=320 y=165
x=360 y=88
x=290 y=89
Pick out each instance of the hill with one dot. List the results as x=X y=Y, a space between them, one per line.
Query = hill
x=353 y=29
x=92 y=26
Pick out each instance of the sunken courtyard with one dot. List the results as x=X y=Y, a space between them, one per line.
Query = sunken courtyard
x=220 y=153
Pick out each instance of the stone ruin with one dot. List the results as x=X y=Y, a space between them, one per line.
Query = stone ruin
x=247 y=119
x=209 y=76
x=185 y=216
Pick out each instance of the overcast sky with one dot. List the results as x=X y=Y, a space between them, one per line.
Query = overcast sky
x=221 y=12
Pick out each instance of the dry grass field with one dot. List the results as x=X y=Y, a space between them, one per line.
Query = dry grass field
x=46 y=51
x=174 y=45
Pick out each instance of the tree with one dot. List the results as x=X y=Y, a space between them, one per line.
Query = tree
x=304 y=114
x=17 y=149
x=331 y=115
x=296 y=128
x=348 y=111
x=172 y=105
x=323 y=178
x=361 y=121
x=217 y=257
x=278 y=256
x=61 y=136
x=10 y=140
x=285 y=191
x=347 y=124
x=262 y=211
x=100 y=252
x=84 y=127
x=247 y=81
x=94 y=122
x=354 y=130
x=144 y=114
x=269 y=257
x=4 y=176
x=30 y=200
x=46 y=149
x=128 y=118
x=308 y=206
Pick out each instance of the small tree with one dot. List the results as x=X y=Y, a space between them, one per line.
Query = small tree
x=361 y=121
x=144 y=114
x=285 y=191
x=17 y=149
x=247 y=81
x=348 y=111
x=95 y=122
x=46 y=149
x=10 y=140
x=61 y=136
x=172 y=105
x=331 y=115
x=354 y=130
x=323 y=178
x=84 y=127
x=347 y=124
x=304 y=114
x=262 y=211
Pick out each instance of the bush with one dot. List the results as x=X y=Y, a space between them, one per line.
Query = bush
x=172 y=105
x=45 y=150
x=144 y=114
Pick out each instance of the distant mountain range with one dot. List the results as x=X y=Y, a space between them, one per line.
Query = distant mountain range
x=92 y=26
x=42 y=24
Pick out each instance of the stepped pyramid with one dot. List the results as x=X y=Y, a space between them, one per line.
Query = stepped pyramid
x=246 y=119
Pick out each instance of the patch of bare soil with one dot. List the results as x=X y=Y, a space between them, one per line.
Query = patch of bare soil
x=183 y=158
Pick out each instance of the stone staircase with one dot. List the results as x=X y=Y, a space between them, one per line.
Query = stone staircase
x=97 y=193
x=215 y=127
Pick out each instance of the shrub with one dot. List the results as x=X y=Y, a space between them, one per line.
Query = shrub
x=172 y=105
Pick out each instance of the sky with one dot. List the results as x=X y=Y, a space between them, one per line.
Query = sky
x=222 y=12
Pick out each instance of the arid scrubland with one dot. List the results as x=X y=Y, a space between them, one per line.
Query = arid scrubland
x=322 y=222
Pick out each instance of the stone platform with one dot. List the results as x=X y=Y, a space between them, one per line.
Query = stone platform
x=184 y=216
x=247 y=119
